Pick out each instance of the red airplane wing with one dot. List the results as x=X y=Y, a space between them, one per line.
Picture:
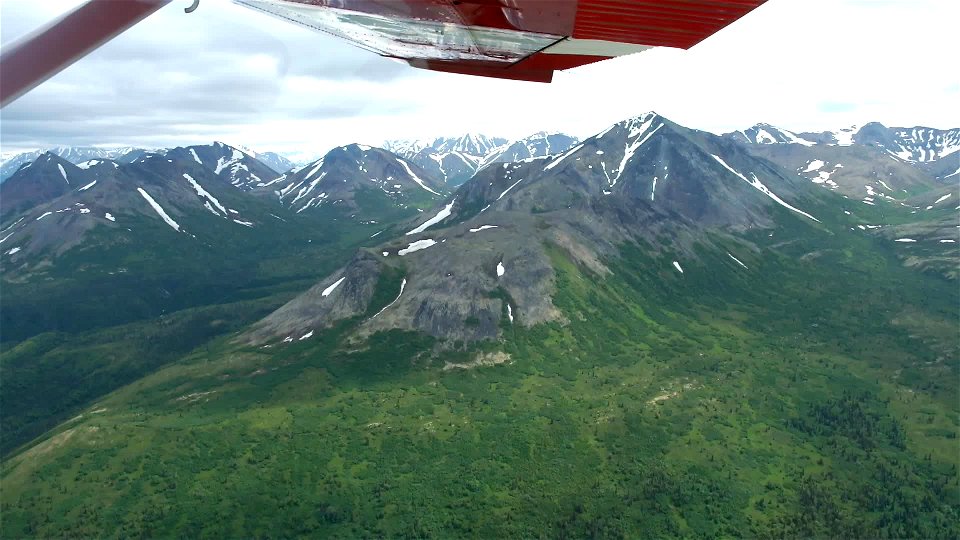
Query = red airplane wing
x=512 y=39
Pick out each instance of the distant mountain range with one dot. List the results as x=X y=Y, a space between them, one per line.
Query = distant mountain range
x=51 y=205
x=353 y=182
x=917 y=144
x=369 y=185
x=539 y=144
x=937 y=150
x=452 y=159
x=79 y=155
x=73 y=154
x=456 y=159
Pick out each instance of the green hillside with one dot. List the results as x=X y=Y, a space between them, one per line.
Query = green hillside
x=811 y=394
x=122 y=304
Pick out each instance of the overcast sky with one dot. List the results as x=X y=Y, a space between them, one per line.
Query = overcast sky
x=231 y=74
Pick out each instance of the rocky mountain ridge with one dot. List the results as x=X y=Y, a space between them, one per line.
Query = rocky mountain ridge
x=539 y=144
x=934 y=151
x=483 y=259
x=360 y=180
x=456 y=159
x=10 y=162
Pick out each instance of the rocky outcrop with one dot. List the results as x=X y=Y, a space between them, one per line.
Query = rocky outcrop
x=346 y=293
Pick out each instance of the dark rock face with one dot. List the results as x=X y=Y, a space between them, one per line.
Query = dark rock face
x=875 y=134
x=344 y=294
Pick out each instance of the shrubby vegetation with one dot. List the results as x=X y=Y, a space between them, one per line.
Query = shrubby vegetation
x=105 y=314
x=796 y=399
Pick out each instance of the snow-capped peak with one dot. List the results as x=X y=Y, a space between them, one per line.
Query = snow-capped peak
x=769 y=134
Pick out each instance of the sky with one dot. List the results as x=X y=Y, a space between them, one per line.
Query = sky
x=230 y=74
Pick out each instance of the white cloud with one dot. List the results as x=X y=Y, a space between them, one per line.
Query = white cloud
x=228 y=73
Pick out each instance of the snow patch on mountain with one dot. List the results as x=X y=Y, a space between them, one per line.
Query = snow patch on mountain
x=925 y=144
x=507 y=191
x=403 y=285
x=814 y=165
x=737 y=260
x=159 y=210
x=417 y=246
x=414 y=177
x=205 y=194
x=562 y=157
x=441 y=215
x=631 y=148
x=333 y=287
x=844 y=136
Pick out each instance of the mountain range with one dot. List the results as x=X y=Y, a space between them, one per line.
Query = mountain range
x=86 y=155
x=916 y=144
x=645 y=179
x=936 y=151
x=452 y=159
x=364 y=181
x=9 y=163
x=363 y=184
x=655 y=331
